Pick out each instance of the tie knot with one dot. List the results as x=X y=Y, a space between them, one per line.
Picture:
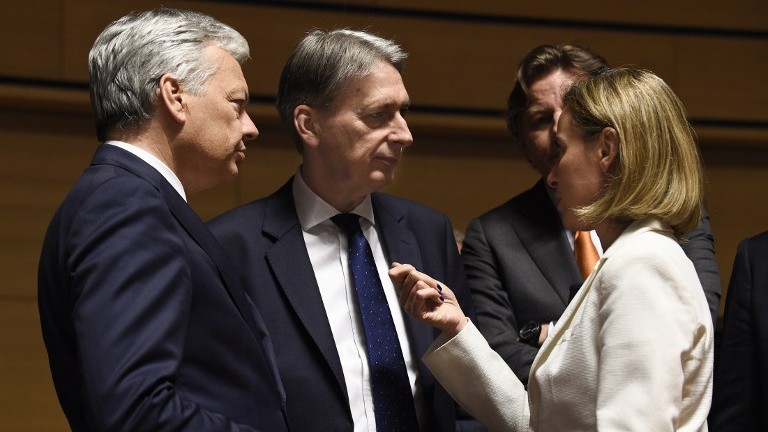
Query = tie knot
x=347 y=222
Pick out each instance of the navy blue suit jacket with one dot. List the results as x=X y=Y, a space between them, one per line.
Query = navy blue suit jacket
x=145 y=326
x=265 y=240
x=740 y=394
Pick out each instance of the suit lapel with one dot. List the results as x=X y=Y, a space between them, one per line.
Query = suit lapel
x=399 y=242
x=563 y=326
x=203 y=237
x=195 y=228
x=565 y=322
x=543 y=236
x=289 y=260
x=400 y=245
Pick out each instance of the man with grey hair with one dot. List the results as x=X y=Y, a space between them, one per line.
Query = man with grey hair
x=314 y=256
x=146 y=327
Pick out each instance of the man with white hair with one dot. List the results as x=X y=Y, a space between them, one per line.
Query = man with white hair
x=145 y=325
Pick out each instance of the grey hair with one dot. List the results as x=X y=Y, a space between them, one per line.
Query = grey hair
x=323 y=63
x=130 y=56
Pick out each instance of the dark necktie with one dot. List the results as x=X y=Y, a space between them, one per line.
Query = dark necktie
x=392 y=399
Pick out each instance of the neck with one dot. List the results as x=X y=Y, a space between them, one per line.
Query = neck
x=154 y=144
x=608 y=231
x=336 y=195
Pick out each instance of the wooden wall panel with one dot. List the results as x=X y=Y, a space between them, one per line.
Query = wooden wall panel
x=41 y=156
x=470 y=65
x=740 y=15
x=463 y=56
x=30 y=38
x=720 y=80
x=27 y=399
x=736 y=198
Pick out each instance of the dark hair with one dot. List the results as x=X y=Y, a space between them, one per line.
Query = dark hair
x=539 y=62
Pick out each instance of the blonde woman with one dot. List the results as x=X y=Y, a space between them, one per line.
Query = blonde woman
x=633 y=350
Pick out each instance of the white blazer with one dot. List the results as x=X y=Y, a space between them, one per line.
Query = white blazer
x=632 y=352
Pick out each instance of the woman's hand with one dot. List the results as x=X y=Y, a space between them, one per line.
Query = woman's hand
x=427 y=299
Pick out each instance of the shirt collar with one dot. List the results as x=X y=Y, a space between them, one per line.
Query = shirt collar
x=154 y=162
x=313 y=210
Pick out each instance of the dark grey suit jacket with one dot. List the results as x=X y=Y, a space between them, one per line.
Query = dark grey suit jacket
x=741 y=360
x=265 y=241
x=520 y=267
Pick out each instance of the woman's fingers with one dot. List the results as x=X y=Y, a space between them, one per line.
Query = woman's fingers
x=422 y=299
x=427 y=299
x=412 y=286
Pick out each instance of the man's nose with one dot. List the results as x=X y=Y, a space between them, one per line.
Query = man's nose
x=250 y=132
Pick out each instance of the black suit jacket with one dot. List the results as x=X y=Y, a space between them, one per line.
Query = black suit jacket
x=741 y=362
x=146 y=328
x=520 y=266
x=265 y=240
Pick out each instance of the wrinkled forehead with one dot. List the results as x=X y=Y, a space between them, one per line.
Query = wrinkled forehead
x=383 y=85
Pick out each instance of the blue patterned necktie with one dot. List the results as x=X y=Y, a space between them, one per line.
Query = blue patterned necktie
x=392 y=399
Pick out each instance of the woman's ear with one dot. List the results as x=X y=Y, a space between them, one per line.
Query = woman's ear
x=608 y=146
x=306 y=124
x=171 y=98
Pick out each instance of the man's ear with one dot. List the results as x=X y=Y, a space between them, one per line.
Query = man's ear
x=608 y=146
x=171 y=98
x=306 y=124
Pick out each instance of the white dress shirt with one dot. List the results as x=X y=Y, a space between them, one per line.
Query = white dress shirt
x=327 y=248
x=154 y=162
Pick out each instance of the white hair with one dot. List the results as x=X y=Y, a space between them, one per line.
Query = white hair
x=131 y=54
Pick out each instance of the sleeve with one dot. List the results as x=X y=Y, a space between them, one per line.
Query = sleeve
x=496 y=318
x=654 y=345
x=700 y=249
x=456 y=277
x=479 y=380
x=131 y=301
x=735 y=374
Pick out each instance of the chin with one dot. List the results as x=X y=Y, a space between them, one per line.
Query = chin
x=571 y=222
x=381 y=180
x=229 y=175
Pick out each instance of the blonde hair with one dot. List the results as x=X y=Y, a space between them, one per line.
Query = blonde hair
x=658 y=171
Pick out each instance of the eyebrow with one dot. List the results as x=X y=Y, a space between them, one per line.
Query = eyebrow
x=238 y=95
x=386 y=103
x=536 y=109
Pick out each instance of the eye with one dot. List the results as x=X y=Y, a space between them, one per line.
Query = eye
x=239 y=107
x=377 y=118
x=557 y=150
x=542 y=121
x=378 y=115
x=539 y=120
